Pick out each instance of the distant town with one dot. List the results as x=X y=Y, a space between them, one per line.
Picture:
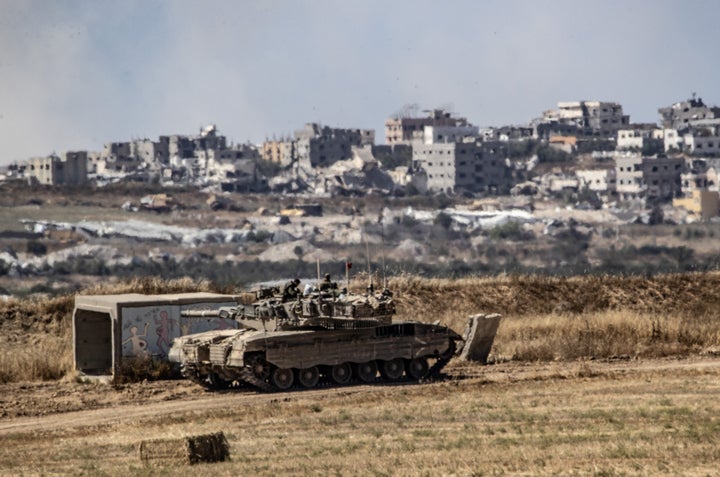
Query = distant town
x=590 y=148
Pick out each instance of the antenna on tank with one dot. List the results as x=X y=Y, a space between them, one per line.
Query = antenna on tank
x=367 y=256
x=382 y=237
x=318 y=270
x=348 y=264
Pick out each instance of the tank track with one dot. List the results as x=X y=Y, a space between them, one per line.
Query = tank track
x=436 y=369
x=191 y=374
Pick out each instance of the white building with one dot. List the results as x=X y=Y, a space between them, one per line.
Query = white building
x=444 y=134
x=591 y=118
x=603 y=181
x=701 y=144
x=637 y=138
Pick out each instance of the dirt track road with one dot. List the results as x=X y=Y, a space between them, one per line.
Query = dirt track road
x=35 y=407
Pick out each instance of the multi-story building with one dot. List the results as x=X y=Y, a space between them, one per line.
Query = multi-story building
x=663 y=177
x=701 y=143
x=588 y=118
x=629 y=177
x=150 y=152
x=320 y=146
x=651 y=178
x=640 y=136
x=179 y=146
x=514 y=133
x=699 y=175
x=117 y=157
x=116 y=150
x=280 y=152
x=672 y=139
x=602 y=181
x=471 y=166
x=685 y=114
x=95 y=161
x=405 y=130
x=237 y=152
x=70 y=169
x=692 y=126
x=441 y=134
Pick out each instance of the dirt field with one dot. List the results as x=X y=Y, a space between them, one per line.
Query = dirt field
x=593 y=375
x=614 y=417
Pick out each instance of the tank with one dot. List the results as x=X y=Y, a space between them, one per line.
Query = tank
x=301 y=342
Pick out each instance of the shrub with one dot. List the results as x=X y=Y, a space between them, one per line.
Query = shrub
x=36 y=248
x=443 y=220
x=510 y=230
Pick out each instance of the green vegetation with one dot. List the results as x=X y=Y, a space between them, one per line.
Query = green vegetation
x=632 y=259
x=510 y=230
x=589 y=145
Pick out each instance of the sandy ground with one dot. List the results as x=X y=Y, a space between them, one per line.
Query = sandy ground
x=40 y=406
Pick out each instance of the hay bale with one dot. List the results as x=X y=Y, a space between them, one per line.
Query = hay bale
x=184 y=450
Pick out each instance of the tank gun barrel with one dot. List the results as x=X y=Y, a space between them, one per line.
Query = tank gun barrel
x=224 y=312
x=240 y=312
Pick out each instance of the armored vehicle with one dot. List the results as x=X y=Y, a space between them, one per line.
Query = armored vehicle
x=282 y=343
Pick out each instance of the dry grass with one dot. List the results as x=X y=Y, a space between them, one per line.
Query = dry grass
x=545 y=318
x=46 y=358
x=652 y=423
x=604 y=335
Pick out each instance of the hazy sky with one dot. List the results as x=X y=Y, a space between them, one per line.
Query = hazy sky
x=78 y=74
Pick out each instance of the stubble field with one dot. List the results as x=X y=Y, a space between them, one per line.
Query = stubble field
x=654 y=417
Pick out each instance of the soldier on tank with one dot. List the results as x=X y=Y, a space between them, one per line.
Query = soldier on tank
x=327 y=285
x=290 y=290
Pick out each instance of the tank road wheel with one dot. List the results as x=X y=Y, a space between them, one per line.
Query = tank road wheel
x=260 y=368
x=366 y=372
x=341 y=373
x=282 y=378
x=309 y=377
x=417 y=368
x=393 y=369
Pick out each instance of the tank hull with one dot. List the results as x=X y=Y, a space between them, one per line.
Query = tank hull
x=269 y=359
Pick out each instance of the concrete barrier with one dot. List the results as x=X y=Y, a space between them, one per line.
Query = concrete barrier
x=479 y=336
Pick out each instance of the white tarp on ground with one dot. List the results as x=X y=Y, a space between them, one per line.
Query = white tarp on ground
x=474 y=218
x=490 y=219
x=141 y=230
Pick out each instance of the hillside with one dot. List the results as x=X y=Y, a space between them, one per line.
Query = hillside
x=61 y=241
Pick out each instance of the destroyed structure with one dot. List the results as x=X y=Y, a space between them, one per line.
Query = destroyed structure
x=432 y=152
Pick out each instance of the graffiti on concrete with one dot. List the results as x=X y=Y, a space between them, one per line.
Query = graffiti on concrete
x=166 y=323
